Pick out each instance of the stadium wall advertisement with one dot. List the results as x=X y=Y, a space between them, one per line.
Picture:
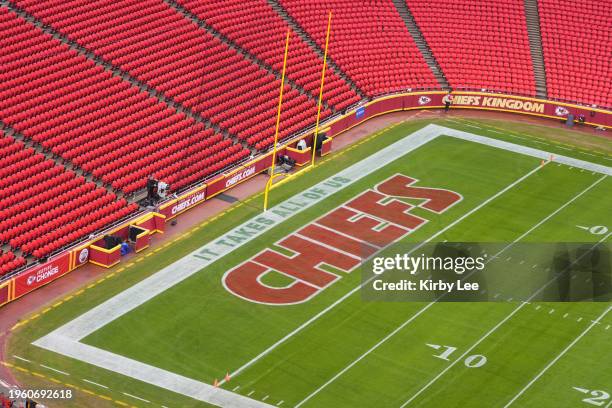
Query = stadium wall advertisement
x=39 y=275
x=471 y=100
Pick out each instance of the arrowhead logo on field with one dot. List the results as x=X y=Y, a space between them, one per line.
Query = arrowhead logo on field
x=561 y=111
x=424 y=100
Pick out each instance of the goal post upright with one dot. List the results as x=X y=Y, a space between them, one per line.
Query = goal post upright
x=278 y=116
x=316 y=133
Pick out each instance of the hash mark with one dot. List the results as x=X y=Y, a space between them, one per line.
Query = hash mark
x=95 y=383
x=551 y=311
x=236 y=388
x=250 y=393
x=54 y=369
x=135 y=397
x=579 y=319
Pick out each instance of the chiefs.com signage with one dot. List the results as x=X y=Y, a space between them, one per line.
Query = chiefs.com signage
x=183 y=203
x=41 y=275
x=243 y=173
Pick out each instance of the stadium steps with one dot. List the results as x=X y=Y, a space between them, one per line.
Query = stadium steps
x=246 y=54
x=420 y=42
x=320 y=52
x=117 y=71
x=532 y=16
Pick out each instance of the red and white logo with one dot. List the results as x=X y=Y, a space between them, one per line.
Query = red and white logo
x=42 y=275
x=424 y=100
x=83 y=255
x=561 y=111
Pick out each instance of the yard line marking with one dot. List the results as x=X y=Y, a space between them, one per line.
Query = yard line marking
x=348 y=294
x=54 y=369
x=534 y=379
x=364 y=355
x=469 y=350
x=480 y=340
x=94 y=383
x=135 y=397
x=544 y=220
x=279 y=403
x=21 y=358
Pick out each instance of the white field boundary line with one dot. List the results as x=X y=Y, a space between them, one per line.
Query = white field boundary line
x=66 y=339
x=423 y=309
x=569 y=346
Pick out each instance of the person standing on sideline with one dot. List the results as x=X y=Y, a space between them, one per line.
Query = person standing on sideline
x=447 y=100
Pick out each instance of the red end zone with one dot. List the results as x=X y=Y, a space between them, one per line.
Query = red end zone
x=340 y=239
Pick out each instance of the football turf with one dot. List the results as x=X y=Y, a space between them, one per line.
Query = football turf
x=360 y=353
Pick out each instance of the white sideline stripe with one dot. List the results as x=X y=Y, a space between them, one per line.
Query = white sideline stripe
x=480 y=340
x=54 y=369
x=436 y=300
x=65 y=339
x=534 y=379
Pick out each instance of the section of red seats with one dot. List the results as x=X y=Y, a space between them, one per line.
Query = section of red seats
x=577 y=42
x=99 y=121
x=478 y=43
x=44 y=206
x=369 y=41
x=161 y=47
x=257 y=27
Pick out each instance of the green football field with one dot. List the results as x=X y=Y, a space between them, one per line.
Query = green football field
x=339 y=349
